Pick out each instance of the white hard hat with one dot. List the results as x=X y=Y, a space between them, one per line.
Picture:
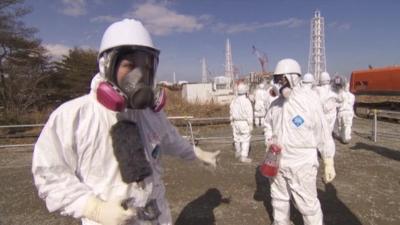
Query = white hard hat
x=308 y=78
x=127 y=32
x=325 y=78
x=242 y=89
x=289 y=68
x=122 y=37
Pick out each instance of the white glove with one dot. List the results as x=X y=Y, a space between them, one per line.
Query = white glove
x=329 y=170
x=207 y=157
x=107 y=213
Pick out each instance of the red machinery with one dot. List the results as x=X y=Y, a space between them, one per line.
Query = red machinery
x=376 y=88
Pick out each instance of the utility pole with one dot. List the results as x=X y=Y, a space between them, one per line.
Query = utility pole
x=204 y=70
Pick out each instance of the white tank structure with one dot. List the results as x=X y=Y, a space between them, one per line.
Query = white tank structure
x=317 y=58
x=218 y=91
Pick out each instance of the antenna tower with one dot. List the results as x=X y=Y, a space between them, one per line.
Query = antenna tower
x=204 y=71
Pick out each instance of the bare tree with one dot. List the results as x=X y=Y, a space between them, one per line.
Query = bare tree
x=22 y=61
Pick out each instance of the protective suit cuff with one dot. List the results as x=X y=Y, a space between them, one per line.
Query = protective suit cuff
x=328 y=161
x=80 y=205
x=189 y=155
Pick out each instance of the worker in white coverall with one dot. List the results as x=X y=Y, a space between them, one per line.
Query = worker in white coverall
x=241 y=117
x=260 y=97
x=273 y=94
x=308 y=81
x=296 y=122
x=329 y=99
x=98 y=156
x=345 y=114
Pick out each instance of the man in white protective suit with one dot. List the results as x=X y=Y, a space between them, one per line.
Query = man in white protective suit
x=273 y=94
x=295 y=122
x=345 y=114
x=241 y=117
x=98 y=156
x=329 y=99
x=308 y=81
x=260 y=98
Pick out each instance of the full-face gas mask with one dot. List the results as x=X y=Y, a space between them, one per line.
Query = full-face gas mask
x=135 y=87
x=338 y=83
x=285 y=82
x=286 y=76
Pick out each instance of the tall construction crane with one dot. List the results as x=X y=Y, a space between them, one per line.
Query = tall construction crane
x=262 y=58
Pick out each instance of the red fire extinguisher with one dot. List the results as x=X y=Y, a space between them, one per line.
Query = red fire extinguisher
x=270 y=166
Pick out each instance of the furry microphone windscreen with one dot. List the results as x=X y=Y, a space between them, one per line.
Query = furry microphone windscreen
x=129 y=151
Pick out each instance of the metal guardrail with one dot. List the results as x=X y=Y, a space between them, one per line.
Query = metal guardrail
x=23 y=125
x=381 y=113
x=187 y=119
x=18 y=126
x=190 y=135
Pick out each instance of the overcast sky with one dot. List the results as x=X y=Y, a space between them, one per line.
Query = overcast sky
x=357 y=33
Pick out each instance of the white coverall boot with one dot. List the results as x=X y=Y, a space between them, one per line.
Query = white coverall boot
x=245 y=152
x=347 y=123
x=238 y=150
x=281 y=212
x=346 y=134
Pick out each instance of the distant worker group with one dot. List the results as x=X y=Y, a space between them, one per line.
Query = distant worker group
x=300 y=115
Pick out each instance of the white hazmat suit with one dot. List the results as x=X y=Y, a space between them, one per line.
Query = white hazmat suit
x=329 y=99
x=346 y=114
x=241 y=117
x=272 y=94
x=308 y=85
x=308 y=81
x=298 y=125
x=261 y=99
x=72 y=159
x=77 y=166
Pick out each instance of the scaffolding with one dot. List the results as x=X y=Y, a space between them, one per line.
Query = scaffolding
x=229 y=72
x=317 y=59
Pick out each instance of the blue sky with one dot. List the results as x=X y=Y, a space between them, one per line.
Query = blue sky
x=357 y=33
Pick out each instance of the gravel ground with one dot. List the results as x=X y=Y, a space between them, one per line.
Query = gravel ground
x=365 y=191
